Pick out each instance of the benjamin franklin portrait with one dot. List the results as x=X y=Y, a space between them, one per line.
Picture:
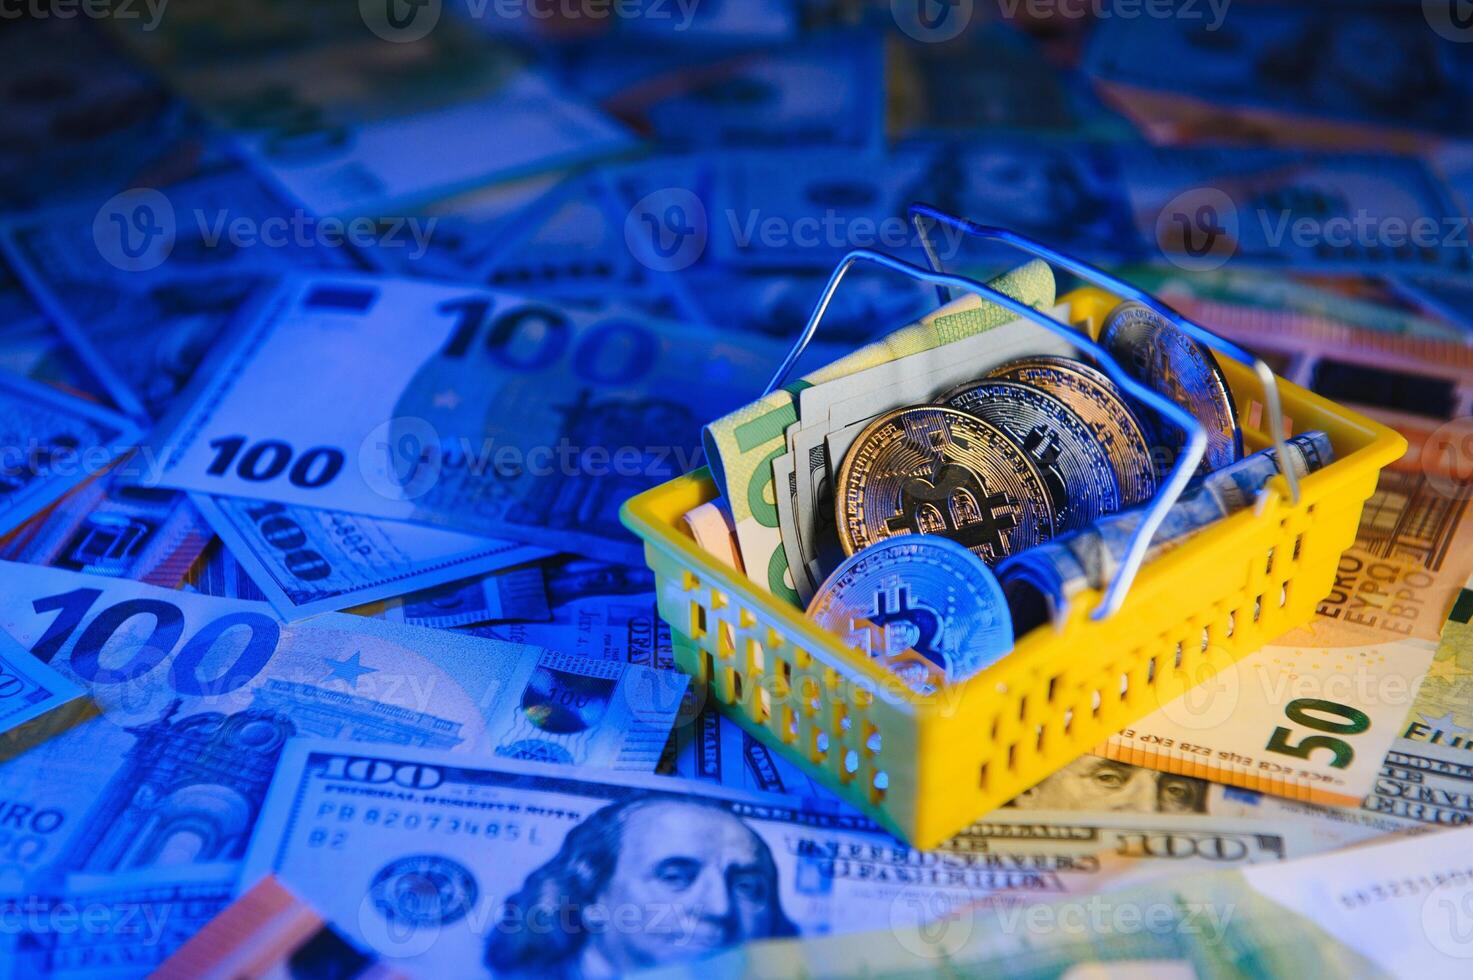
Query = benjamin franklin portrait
x=646 y=881
x=1093 y=783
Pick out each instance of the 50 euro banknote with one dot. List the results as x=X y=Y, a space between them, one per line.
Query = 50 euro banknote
x=741 y=447
x=1427 y=772
x=1314 y=714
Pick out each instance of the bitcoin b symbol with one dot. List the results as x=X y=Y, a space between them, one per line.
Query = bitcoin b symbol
x=923 y=624
x=958 y=506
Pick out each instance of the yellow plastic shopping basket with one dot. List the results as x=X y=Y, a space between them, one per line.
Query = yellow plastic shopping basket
x=926 y=766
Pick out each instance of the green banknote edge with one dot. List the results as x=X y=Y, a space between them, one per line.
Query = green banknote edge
x=1217 y=923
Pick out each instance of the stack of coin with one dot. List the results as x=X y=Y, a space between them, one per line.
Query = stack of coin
x=1037 y=447
x=1041 y=466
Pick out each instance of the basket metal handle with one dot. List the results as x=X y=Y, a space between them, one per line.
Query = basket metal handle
x=1196 y=437
x=1277 y=431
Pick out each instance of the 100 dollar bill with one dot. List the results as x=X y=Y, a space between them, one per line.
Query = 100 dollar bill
x=309 y=560
x=684 y=869
x=107 y=527
x=350 y=123
x=142 y=327
x=1392 y=909
x=35 y=701
x=49 y=443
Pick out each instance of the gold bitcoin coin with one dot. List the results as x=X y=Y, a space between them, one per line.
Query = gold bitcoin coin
x=1102 y=406
x=934 y=470
x=1078 y=473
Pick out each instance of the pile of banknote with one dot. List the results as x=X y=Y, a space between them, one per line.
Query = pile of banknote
x=334 y=336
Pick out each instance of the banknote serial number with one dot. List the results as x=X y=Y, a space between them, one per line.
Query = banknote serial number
x=1166 y=742
x=336 y=838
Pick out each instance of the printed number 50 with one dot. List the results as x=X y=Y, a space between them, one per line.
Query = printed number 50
x=1299 y=710
x=267 y=459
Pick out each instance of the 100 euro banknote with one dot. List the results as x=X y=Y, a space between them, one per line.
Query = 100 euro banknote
x=456 y=406
x=198 y=695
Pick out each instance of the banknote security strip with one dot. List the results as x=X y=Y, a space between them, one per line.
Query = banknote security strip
x=912 y=759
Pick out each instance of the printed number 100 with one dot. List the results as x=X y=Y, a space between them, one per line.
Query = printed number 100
x=267 y=459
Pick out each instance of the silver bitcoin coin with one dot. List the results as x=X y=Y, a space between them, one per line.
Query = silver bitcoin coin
x=1164 y=357
x=924 y=606
x=1096 y=399
x=1080 y=479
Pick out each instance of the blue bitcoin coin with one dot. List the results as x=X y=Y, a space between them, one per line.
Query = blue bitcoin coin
x=921 y=604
